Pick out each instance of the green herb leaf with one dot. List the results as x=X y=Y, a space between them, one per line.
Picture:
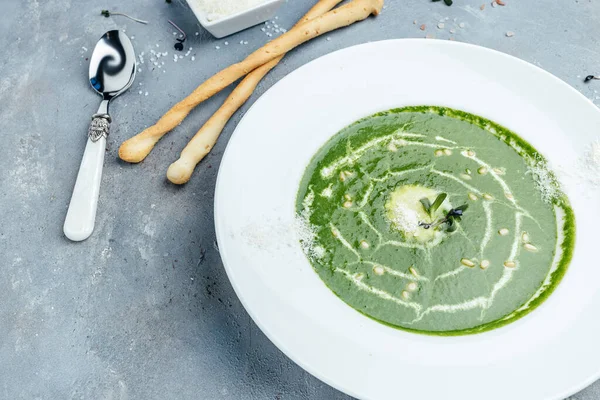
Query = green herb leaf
x=168 y=1
x=462 y=208
x=426 y=204
x=438 y=202
x=448 y=2
x=106 y=13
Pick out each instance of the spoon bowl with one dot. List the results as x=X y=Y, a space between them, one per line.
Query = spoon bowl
x=112 y=71
x=112 y=66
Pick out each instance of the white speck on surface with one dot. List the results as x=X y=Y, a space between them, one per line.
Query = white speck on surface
x=452 y=30
x=146 y=94
x=84 y=48
x=461 y=25
x=441 y=25
x=197 y=33
x=193 y=58
x=510 y=34
x=106 y=253
x=328 y=38
x=217 y=47
x=140 y=92
x=226 y=43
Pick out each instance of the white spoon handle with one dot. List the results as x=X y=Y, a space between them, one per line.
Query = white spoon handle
x=80 y=220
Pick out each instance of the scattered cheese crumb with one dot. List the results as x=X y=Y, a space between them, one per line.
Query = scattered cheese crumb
x=544 y=179
x=405 y=219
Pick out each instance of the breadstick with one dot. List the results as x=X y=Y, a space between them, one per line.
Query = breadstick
x=138 y=147
x=202 y=143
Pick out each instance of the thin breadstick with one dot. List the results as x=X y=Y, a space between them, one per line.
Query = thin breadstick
x=202 y=143
x=138 y=147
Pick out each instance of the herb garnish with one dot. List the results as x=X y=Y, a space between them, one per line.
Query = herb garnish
x=108 y=13
x=590 y=77
x=452 y=216
x=182 y=37
x=446 y=2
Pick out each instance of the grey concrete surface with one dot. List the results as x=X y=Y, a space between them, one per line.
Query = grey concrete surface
x=143 y=309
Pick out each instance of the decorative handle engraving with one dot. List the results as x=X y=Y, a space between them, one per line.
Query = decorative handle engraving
x=100 y=127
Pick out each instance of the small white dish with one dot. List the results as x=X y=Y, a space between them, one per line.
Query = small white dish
x=236 y=22
x=547 y=355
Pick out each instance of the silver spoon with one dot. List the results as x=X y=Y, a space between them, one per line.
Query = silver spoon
x=112 y=71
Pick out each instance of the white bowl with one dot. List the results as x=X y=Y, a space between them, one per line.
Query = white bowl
x=236 y=22
x=548 y=354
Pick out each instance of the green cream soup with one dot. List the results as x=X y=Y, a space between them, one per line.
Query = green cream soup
x=436 y=221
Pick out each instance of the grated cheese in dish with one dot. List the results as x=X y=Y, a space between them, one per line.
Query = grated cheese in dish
x=218 y=9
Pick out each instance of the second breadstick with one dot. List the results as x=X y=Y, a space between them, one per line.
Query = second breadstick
x=139 y=146
x=202 y=143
